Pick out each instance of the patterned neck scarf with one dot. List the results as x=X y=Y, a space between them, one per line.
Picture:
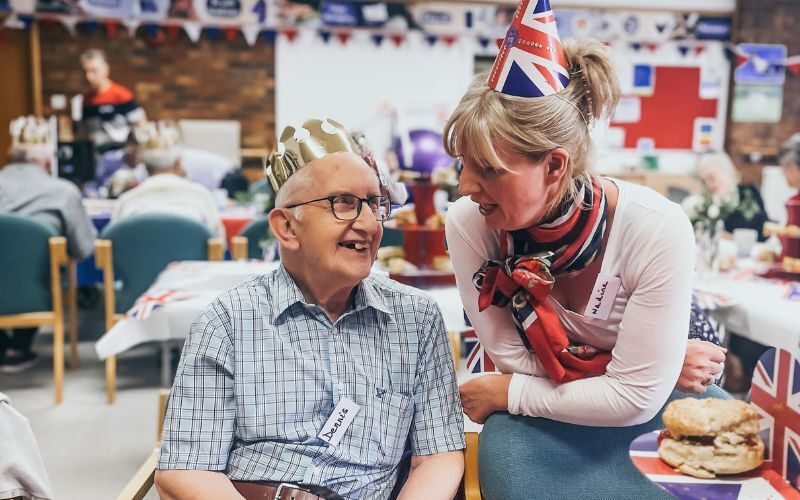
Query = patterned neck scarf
x=568 y=242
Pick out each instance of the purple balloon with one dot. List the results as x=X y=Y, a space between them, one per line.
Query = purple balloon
x=427 y=152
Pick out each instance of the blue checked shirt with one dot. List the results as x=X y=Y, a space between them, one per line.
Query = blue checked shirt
x=262 y=371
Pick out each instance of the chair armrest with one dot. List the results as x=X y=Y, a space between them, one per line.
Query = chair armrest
x=471 y=482
x=216 y=249
x=239 y=248
x=142 y=481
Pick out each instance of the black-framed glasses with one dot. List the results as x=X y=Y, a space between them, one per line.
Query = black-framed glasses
x=348 y=206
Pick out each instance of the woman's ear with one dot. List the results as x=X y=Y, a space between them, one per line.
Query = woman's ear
x=557 y=163
x=282 y=226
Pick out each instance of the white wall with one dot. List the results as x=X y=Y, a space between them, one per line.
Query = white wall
x=352 y=83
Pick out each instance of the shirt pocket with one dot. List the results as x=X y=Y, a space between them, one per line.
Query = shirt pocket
x=391 y=424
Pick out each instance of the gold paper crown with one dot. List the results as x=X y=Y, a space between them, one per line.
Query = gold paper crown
x=29 y=131
x=298 y=148
x=158 y=135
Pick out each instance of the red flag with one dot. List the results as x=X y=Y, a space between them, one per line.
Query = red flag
x=111 y=29
x=344 y=36
x=172 y=31
x=290 y=34
x=230 y=34
x=449 y=40
x=398 y=39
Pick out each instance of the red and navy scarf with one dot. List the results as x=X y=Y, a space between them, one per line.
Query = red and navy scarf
x=567 y=242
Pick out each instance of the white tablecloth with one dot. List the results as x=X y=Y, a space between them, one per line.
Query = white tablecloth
x=197 y=284
x=757 y=308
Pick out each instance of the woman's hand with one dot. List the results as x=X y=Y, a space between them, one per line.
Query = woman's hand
x=484 y=395
x=702 y=365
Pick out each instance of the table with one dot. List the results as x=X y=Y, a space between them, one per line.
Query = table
x=165 y=312
x=754 y=307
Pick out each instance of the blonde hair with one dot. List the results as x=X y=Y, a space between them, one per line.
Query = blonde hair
x=486 y=120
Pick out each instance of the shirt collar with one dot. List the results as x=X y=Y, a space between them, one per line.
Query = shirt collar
x=287 y=294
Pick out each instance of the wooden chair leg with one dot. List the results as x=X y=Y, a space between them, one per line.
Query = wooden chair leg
x=72 y=304
x=58 y=359
x=111 y=378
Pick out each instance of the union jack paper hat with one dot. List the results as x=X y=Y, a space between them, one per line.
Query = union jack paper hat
x=531 y=61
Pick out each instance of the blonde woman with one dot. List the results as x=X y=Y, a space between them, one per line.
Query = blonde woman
x=578 y=287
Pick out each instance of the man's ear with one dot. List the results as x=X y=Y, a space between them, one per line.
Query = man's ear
x=557 y=163
x=282 y=225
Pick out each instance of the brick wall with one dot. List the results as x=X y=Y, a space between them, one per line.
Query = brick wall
x=176 y=80
x=767 y=21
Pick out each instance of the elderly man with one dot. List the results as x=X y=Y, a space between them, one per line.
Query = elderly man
x=311 y=381
x=27 y=188
x=166 y=191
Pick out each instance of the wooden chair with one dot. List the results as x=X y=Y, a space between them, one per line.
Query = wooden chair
x=247 y=244
x=133 y=252
x=31 y=261
x=144 y=479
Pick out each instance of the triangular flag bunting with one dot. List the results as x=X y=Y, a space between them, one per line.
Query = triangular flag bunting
x=290 y=34
x=172 y=31
x=111 y=29
x=270 y=36
x=398 y=39
x=449 y=40
x=484 y=42
x=377 y=39
x=431 y=39
x=131 y=25
x=192 y=30
x=250 y=33
x=231 y=33
x=344 y=37
x=325 y=35
x=69 y=22
x=212 y=32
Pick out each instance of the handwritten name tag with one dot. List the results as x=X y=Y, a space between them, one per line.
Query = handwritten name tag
x=339 y=421
x=602 y=298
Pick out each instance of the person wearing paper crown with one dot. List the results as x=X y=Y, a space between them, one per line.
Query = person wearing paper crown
x=28 y=189
x=166 y=190
x=318 y=375
x=578 y=286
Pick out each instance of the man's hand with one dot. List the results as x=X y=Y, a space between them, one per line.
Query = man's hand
x=702 y=365
x=484 y=395
x=195 y=484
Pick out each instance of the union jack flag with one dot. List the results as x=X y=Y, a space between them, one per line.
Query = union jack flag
x=762 y=483
x=531 y=61
x=478 y=361
x=152 y=300
x=776 y=395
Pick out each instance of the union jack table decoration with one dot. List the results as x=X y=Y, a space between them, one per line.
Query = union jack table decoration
x=531 y=60
x=152 y=300
x=478 y=361
x=776 y=395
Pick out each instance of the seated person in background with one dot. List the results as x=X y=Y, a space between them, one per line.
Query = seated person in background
x=166 y=191
x=318 y=374
x=790 y=162
x=241 y=183
x=28 y=189
x=739 y=205
x=22 y=472
x=204 y=167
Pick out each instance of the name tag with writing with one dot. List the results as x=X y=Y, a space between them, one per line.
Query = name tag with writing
x=339 y=421
x=602 y=298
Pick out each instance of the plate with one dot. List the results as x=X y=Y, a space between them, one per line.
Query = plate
x=762 y=483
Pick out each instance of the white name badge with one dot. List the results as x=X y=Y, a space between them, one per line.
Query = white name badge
x=339 y=421
x=602 y=298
